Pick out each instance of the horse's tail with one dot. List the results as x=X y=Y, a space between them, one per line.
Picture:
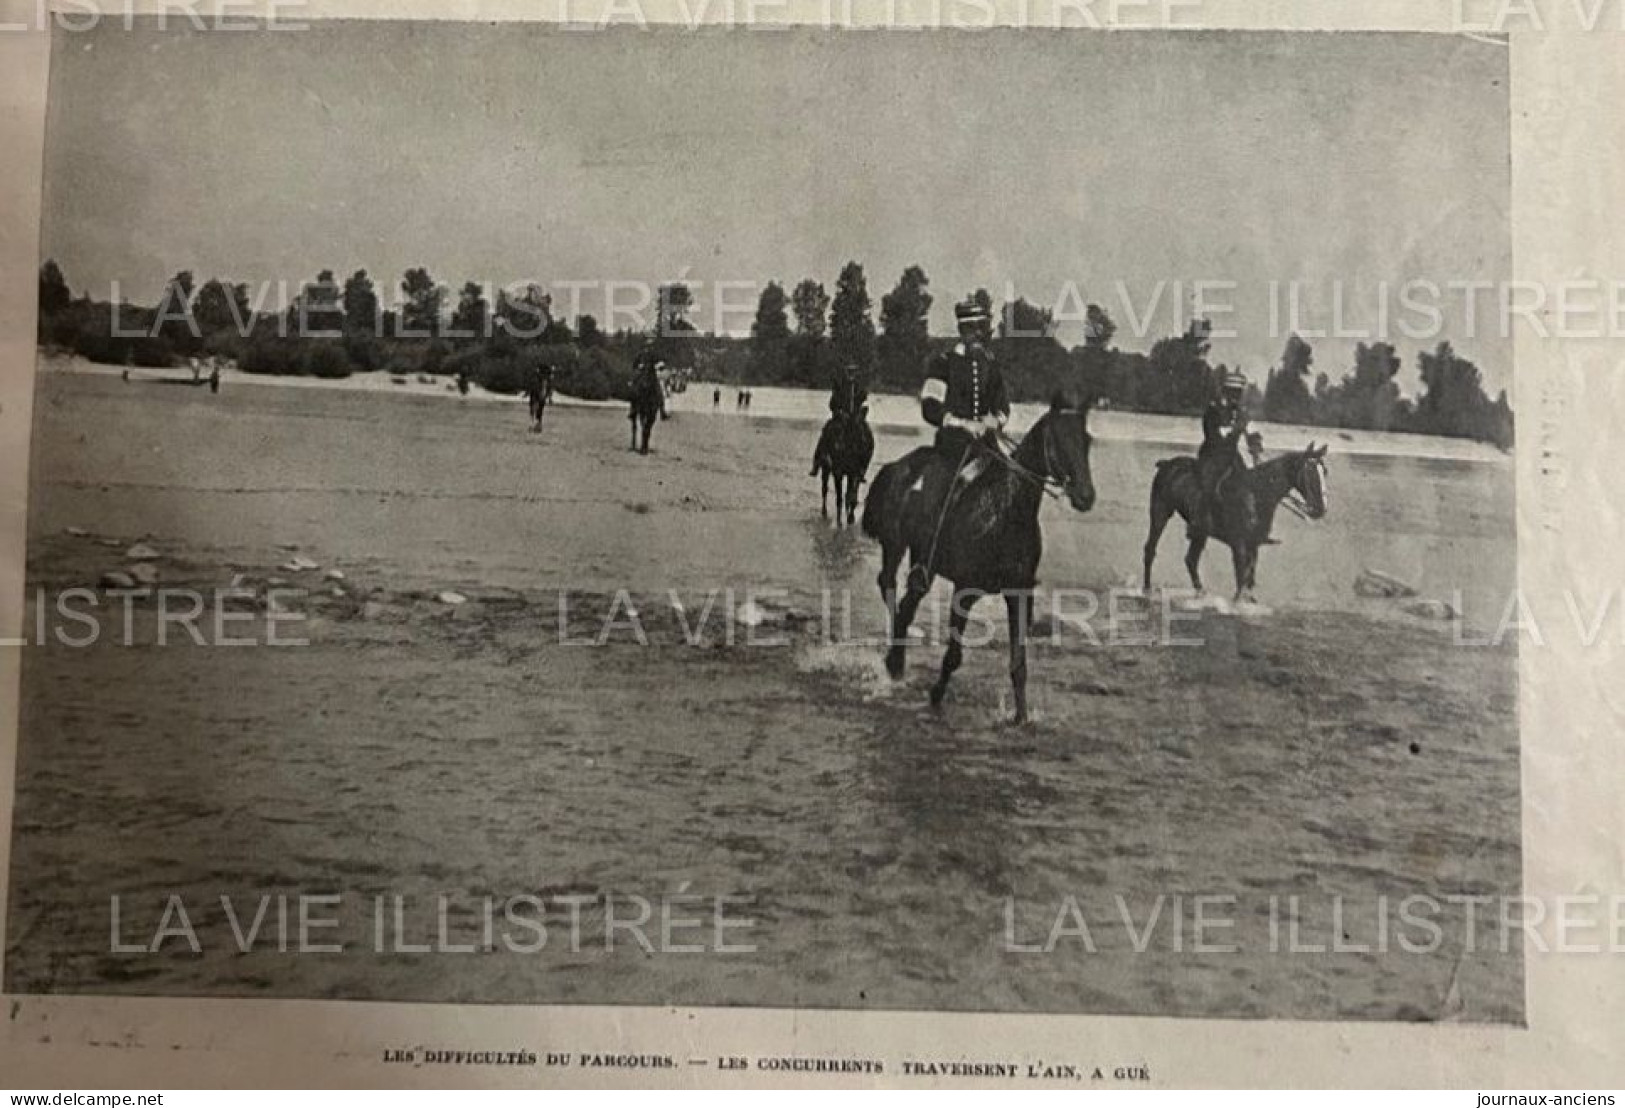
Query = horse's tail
x=874 y=501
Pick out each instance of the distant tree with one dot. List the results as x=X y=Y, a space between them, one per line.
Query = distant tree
x=808 y=351
x=1453 y=401
x=1035 y=365
x=175 y=323
x=1176 y=377
x=588 y=334
x=361 y=304
x=54 y=294
x=810 y=303
x=905 y=314
x=770 y=335
x=1368 y=398
x=1498 y=422
x=317 y=311
x=851 y=330
x=1286 y=392
x=526 y=314
x=1096 y=363
x=245 y=307
x=674 y=302
x=422 y=301
x=557 y=333
x=1098 y=328
x=470 y=318
x=216 y=309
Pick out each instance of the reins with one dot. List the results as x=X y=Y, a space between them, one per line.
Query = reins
x=1042 y=480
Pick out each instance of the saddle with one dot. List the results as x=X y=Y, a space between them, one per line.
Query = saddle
x=934 y=485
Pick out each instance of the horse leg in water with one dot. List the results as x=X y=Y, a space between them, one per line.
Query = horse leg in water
x=958 y=617
x=913 y=593
x=1161 y=513
x=890 y=558
x=648 y=421
x=852 y=483
x=823 y=502
x=840 y=495
x=1239 y=560
x=1018 y=605
x=1193 y=559
x=633 y=419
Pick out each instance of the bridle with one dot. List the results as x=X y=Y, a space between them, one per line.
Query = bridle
x=1048 y=484
x=1294 y=501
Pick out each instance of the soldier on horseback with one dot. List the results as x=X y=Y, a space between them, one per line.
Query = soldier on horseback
x=964 y=396
x=646 y=370
x=1223 y=425
x=848 y=399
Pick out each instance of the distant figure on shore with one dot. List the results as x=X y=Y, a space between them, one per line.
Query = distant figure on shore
x=716 y=398
x=540 y=392
x=747 y=399
x=214 y=375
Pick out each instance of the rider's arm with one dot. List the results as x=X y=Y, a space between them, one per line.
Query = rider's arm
x=998 y=402
x=934 y=393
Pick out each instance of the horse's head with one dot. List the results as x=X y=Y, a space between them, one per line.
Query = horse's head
x=1064 y=433
x=1309 y=480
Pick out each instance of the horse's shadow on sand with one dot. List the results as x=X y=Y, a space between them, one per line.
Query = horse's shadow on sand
x=840 y=551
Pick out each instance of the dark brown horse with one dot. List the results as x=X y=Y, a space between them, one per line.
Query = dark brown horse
x=1248 y=499
x=845 y=449
x=988 y=541
x=648 y=405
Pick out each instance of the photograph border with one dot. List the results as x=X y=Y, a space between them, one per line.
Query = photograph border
x=1564 y=78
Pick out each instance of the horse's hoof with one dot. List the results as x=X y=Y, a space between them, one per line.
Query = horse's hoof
x=894 y=665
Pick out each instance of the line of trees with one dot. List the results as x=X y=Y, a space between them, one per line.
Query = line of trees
x=798 y=338
x=334 y=329
x=1174 y=377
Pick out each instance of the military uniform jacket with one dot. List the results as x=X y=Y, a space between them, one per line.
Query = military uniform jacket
x=964 y=384
x=1219 y=421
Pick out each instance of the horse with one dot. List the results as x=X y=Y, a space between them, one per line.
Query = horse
x=648 y=403
x=986 y=540
x=541 y=393
x=1177 y=488
x=845 y=448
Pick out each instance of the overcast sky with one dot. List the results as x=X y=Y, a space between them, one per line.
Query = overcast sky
x=1046 y=161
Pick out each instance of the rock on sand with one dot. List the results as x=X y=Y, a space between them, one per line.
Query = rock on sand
x=1376 y=584
x=1430 y=609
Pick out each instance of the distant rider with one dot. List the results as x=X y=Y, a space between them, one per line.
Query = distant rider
x=848 y=398
x=1223 y=425
x=646 y=375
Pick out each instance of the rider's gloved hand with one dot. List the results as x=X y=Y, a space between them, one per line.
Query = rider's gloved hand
x=993 y=423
